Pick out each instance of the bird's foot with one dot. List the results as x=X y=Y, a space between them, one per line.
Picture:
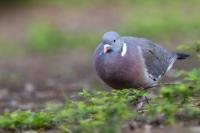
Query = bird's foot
x=142 y=102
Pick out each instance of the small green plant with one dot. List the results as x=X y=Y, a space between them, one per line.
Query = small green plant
x=97 y=112
x=26 y=120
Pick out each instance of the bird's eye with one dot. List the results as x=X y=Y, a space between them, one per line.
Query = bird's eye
x=114 y=40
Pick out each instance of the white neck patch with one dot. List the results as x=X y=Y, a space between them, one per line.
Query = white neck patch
x=124 y=49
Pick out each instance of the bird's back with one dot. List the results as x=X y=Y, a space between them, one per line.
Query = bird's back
x=157 y=59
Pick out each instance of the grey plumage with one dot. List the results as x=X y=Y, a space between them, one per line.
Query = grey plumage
x=157 y=60
x=132 y=62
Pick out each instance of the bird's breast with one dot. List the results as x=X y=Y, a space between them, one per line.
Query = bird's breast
x=120 y=71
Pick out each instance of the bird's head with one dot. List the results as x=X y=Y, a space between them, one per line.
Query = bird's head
x=112 y=43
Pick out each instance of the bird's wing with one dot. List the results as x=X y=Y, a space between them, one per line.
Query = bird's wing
x=157 y=60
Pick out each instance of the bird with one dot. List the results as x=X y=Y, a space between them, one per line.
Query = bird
x=131 y=62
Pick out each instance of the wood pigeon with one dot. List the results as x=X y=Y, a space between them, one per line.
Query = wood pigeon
x=131 y=62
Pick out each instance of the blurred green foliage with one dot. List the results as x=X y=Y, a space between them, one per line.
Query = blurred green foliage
x=163 y=20
x=156 y=19
x=151 y=19
x=43 y=38
x=163 y=26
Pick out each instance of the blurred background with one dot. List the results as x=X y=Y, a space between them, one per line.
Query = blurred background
x=46 y=47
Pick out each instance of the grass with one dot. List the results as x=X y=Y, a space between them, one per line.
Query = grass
x=45 y=39
x=156 y=20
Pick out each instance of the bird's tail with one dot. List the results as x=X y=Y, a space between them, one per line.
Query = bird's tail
x=181 y=56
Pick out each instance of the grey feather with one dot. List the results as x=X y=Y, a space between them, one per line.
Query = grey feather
x=157 y=60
